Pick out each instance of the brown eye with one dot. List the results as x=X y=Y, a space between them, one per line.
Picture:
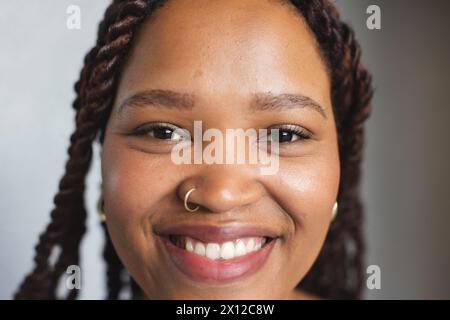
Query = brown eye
x=160 y=131
x=288 y=133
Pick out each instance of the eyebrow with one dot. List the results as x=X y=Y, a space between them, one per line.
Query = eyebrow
x=262 y=101
x=285 y=101
x=159 y=98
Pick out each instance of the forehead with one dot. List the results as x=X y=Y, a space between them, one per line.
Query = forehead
x=218 y=48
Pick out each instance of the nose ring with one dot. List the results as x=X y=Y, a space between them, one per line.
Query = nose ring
x=186 y=197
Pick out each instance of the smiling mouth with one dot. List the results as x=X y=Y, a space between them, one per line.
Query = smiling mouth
x=217 y=254
x=226 y=250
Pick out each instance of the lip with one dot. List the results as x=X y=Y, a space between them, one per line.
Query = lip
x=200 y=268
x=210 y=233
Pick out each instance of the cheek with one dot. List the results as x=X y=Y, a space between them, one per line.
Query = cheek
x=134 y=185
x=133 y=182
x=306 y=189
x=310 y=187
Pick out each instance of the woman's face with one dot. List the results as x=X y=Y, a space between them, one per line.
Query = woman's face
x=215 y=57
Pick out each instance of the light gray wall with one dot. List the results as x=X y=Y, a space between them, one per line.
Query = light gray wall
x=40 y=60
x=407 y=156
x=406 y=169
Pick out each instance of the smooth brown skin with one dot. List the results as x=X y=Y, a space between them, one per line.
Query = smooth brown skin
x=221 y=51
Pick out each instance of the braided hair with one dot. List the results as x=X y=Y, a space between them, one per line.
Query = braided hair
x=337 y=272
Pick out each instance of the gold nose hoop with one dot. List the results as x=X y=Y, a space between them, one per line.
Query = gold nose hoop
x=186 y=197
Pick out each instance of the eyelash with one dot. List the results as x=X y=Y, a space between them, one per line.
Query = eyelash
x=144 y=129
x=303 y=134
x=147 y=128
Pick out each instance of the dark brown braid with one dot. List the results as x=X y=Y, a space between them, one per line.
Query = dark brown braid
x=338 y=271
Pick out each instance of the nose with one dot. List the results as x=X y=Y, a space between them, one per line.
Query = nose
x=221 y=189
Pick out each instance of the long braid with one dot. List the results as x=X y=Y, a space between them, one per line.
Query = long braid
x=114 y=270
x=337 y=272
x=95 y=93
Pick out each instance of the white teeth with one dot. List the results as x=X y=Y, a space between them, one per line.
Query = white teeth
x=227 y=250
x=189 y=245
x=250 y=245
x=213 y=251
x=199 y=249
x=240 y=249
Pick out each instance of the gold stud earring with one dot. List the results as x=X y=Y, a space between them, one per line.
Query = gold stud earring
x=100 y=210
x=334 y=211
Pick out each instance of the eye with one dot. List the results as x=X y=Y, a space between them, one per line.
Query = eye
x=288 y=133
x=162 y=131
